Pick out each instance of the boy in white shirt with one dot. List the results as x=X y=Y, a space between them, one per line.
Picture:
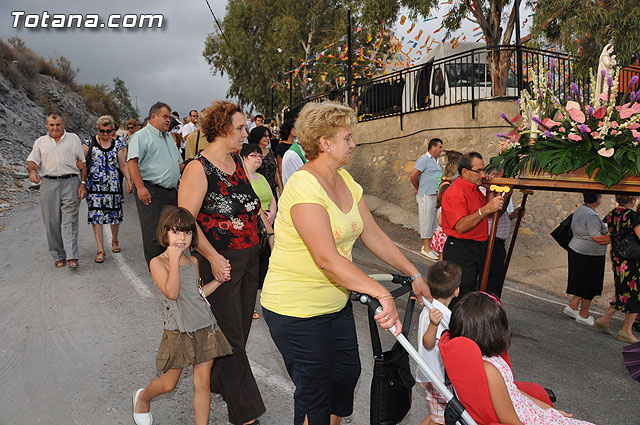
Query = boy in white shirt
x=443 y=279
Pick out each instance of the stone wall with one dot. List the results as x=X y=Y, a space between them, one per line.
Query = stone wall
x=386 y=154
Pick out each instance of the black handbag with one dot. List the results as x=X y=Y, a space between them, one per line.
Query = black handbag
x=626 y=246
x=563 y=234
x=392 y=378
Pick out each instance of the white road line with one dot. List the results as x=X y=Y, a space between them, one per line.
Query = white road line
x=519 y=291
x=271 y=379
x=136 y=282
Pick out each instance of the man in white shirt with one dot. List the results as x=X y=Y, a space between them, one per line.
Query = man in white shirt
x=191 y=125
x=56 y=155
x=292 y=159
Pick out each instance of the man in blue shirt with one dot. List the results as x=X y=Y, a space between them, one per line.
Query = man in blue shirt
x=154 y=163
x=425 y=177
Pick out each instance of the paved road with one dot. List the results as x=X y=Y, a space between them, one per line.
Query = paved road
x=74 y=345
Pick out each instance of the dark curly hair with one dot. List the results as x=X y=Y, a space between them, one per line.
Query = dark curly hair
x=216 y=119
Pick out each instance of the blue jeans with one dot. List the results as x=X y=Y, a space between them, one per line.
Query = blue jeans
x=321 y=356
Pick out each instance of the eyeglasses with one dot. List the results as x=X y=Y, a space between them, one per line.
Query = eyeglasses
x=130 y=127
x=255 y=155
x=479 y=170
x=102 y=130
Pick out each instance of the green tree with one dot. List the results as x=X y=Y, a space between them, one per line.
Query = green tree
x=99 y=99
x=121 y=96
x=258 y=40
x=496 y=19
x=583 y=27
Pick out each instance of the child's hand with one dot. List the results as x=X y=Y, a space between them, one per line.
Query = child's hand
x=435 y=316
x=174 y=253
x=565 y=414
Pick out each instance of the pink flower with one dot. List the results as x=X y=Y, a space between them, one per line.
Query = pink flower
x=561 y=129
x=607 y=153
x=633 y=126
x=614 y=132
x=572 y=105
x=574 y=137
x=600 y=112
x=549 y=123
x=559 y=116
x=614 y=124
x=577 y=115
x=603 y=96
x=626 y=111
x=633 y=285
x=622 y=268
x=595 y=134
x=635 y=133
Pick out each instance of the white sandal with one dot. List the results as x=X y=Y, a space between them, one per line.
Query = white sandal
x=140 y=418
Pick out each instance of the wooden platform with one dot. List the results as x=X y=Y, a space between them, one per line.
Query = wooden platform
x=567 y=183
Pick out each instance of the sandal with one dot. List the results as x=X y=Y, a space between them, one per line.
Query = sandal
x=100 y=257
x=72 y=264
x=60 y=263
x=115 y=246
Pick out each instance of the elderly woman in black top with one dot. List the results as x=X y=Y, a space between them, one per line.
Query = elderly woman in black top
x=217 y=192
x=626 y=272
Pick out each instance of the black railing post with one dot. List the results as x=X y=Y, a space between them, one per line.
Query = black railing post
x=349 y=58
x=518 y=48
x=290 y=81
x=272 y=101
x=473 y=75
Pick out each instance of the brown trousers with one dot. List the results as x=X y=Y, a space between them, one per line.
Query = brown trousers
x=232 y=304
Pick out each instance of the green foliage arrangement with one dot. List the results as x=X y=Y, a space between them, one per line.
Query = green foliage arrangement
x=549 y=137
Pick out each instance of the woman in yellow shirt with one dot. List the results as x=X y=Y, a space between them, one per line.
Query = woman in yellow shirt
x=305 y=297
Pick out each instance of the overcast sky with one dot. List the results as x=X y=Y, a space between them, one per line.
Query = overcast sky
x=156 y=64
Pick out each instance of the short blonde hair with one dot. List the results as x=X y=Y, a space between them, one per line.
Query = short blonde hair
x=106 y=120
x=317 y=120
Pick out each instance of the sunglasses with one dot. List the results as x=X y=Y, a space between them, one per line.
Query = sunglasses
x=130 y=127
x=103 y=131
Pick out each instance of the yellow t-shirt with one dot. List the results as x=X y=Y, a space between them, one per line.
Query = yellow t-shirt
x=295 y=285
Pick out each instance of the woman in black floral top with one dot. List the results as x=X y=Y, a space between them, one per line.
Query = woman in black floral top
x=626 y=272
x=216 y=190
x=269 y=169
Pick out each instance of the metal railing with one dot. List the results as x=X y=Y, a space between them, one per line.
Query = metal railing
x=460 y=78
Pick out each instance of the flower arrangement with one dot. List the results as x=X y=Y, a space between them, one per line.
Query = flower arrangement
x=555 y=138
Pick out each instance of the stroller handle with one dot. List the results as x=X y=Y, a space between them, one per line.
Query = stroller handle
x=374 y=308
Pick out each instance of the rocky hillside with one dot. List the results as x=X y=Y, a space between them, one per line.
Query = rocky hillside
x=22 y=120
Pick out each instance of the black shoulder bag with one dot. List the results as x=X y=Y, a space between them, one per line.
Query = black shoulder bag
x=563 y=234
x=392 y=378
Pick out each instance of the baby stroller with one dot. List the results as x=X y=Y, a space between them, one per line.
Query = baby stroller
x=393 y=380
x=464 y=370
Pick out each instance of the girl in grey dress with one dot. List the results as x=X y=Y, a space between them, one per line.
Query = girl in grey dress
x=191 y=335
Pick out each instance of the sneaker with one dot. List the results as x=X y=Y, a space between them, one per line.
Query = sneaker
x=568 y=311
x=585 y=321
x=429 y=255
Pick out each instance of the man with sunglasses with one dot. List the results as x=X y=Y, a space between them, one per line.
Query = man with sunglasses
x=465 y=211
x=59 y=158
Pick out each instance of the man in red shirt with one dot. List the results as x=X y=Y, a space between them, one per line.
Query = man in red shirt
x=465 y=211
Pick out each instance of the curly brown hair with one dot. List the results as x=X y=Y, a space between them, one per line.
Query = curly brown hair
x=215 y=121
